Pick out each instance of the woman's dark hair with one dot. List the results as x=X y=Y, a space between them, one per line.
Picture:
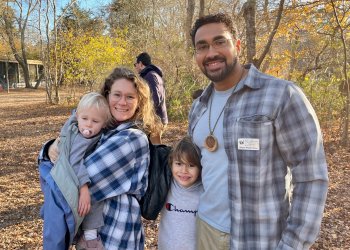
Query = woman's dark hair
x=216 y=18
x=185 y=150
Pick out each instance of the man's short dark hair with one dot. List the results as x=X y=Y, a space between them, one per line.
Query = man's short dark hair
x=215 y=18
x=145 y=58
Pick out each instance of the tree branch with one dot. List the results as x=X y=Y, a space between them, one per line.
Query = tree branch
x=272 y=34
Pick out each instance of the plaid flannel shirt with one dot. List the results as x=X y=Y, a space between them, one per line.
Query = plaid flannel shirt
x=118 y=170
x=277 y=115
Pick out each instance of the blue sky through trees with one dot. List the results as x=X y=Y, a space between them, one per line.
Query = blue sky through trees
x=92 y=5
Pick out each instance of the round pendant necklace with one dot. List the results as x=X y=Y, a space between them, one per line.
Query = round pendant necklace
x=210 y=142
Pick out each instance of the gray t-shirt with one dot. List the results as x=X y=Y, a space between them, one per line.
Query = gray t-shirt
x=177 y=227
x=214 y=201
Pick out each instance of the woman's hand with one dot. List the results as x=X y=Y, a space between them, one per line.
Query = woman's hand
x=84 y=201
x=53 y=151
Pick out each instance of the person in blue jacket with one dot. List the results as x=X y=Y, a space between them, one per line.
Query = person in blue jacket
x=153 y=75
x=118 y=167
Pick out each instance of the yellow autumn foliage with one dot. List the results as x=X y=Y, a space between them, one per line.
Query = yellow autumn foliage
x=88 y=59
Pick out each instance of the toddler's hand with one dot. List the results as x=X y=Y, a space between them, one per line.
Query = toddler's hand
x=53 y=150
x=84 y=201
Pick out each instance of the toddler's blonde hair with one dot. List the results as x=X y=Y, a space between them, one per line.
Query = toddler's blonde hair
x=98 y=101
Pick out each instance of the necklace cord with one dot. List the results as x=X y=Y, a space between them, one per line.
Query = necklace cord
x=211 y=132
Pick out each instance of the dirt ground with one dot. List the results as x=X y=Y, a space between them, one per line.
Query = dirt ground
x=26 y=121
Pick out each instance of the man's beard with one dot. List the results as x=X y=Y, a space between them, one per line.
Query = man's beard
x=223 y=74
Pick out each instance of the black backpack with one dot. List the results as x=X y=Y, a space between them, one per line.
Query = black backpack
x=159 y=180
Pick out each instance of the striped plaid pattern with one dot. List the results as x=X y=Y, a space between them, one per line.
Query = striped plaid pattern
x=118 y=173
x=277 y=113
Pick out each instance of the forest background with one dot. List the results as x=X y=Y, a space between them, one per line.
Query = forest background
x=303 y=41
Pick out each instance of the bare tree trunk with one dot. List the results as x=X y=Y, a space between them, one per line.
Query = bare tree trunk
x=57 y=98
x=267 y=47
x=38 y=81
x=249 y=10
x=22 y=21
x=188 y=23
x=266 y=10
x=293 y=61
x=52 y=65
x=314 y=65
x=266 y=64
x=346 y=80
x=24 y=63
x=7 y=76
x=46 y=55
x=201 y=8
x=153 y=19
x=42 y=74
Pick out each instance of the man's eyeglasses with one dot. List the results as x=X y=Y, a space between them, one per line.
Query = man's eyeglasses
x=220 y=43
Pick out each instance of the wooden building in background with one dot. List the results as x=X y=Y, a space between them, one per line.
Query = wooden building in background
x=11 y=74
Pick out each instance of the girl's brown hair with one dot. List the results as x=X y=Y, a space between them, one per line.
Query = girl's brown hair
x=186 y=151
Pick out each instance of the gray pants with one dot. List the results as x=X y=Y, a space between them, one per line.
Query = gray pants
x=94 y=219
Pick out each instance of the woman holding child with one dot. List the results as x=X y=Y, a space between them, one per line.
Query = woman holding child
x=118 y=166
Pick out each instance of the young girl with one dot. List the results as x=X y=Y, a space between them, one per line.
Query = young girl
x=178 y=217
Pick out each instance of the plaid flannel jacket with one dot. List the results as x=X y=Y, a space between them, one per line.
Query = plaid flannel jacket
x=118 y=170
x=277 y=115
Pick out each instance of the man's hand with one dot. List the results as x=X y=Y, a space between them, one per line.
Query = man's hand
x=84 y=201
